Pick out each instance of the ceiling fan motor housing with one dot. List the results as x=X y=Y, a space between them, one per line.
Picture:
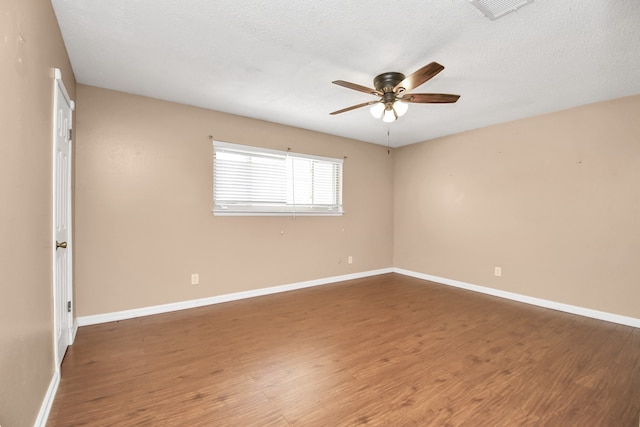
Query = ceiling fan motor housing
x=385 y=83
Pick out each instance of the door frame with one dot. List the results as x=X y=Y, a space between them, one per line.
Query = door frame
x=60 y=90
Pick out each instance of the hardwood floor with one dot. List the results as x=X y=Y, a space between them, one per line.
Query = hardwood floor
x=383 y=351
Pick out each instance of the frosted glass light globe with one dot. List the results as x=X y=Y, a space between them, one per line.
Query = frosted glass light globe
x=400 y=107
x=389 y=116
x=377 y=110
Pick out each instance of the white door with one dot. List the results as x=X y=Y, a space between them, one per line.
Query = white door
x=61 y=245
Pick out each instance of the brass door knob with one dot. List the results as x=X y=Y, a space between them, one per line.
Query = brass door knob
x=62 y=245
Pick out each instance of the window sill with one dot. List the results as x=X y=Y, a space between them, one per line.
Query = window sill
x=232 y=213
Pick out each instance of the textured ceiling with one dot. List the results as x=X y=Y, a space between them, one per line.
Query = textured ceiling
x=275 y=60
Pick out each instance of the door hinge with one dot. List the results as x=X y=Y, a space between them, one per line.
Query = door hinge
x=68 y=306
x=70 y=134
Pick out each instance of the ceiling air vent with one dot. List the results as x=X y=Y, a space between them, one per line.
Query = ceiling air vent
x=495 y=9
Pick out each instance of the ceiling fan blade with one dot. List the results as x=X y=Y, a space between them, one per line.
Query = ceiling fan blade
x=419 y=77
x=354 y=86
x=353 y=107
x=430 y=98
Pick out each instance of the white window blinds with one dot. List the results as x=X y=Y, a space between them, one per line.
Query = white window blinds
x=257 y=181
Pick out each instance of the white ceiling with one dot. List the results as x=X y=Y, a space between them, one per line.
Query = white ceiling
x=275 y=60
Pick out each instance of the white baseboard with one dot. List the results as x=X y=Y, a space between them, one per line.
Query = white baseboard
x=183 y=305
x=47 y=402
x=587 y=312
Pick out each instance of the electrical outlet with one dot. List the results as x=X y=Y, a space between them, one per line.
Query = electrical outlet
x=497 y=271
x=195 y=279
x=350 y=259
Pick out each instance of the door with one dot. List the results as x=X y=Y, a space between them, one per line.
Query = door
x=62 y=259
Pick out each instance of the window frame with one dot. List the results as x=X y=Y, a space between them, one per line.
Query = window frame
x=283 y=207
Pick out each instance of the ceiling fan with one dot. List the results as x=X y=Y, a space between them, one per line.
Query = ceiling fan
x=392 y=88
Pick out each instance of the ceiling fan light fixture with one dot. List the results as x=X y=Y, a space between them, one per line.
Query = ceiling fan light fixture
x=377 y=110
x=400 y=107
x=389 y=115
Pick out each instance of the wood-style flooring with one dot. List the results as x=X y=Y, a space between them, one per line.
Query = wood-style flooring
x=382 y=351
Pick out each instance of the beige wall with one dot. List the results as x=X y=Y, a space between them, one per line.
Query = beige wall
x=554 y=200
x=30 y=47
x=144 y=200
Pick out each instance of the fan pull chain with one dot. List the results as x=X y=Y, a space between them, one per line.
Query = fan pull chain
x=388 y=143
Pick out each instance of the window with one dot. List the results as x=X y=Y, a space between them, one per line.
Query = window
x=256 y=181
